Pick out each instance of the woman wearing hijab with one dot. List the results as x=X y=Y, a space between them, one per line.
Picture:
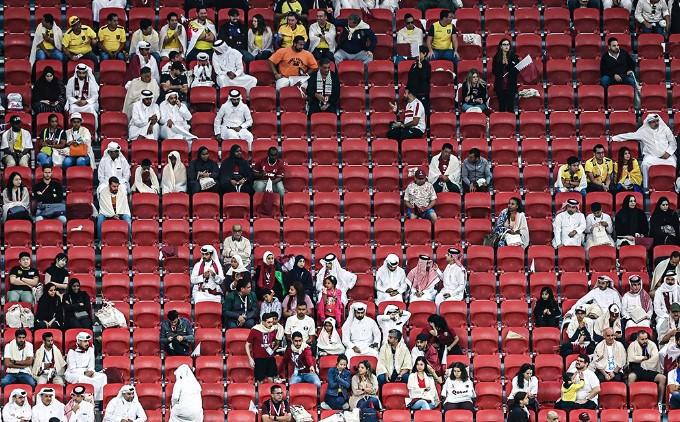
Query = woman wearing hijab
x=16 y=200
x=77 y=306
x=299 y=273
x=16 y=407
x=125 y=406
x=390 y=281
x=330 y=302
x=203 y=172
x=49 y=93
x=236 y=174
x=630 y=222
x=49 y=312
x=268 y=276
x=174 y=177
x=57 y=273
x=78 y=409
x=423 y=279
x=207 y=277
x=331 y=266
x=511 y=225
x=329 y=341
x=664 y=226
x=547 y=311
x=296 y=294
x=236 y=272
x=187 y=403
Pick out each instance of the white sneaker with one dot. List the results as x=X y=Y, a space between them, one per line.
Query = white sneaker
x=324 y=406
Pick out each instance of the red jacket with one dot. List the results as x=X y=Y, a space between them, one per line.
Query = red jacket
x=304 y=362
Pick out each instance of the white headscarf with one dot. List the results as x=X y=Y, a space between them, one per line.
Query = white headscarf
x=140 y=186
x=329 y=341
x=12 y=412
x=174 y=179
x=394 y=277
x=185 y=377
x=351 y=318
x=241 y=268
x=127 y=389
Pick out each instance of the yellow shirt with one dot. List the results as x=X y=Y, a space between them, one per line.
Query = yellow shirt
x=565 y=174
x=258 y=41
x=569 y=394
x=287 y=34
x=290 y=7
x=80 y=43
x=601 y=172
x=203 y=44
x=18 y=143
x=112 y=40
x=634 y=176
x=46 y=44
x=322 y=41
x=174 y=44
x=441 y=36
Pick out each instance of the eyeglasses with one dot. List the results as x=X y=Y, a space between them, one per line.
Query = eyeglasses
x=505 y=44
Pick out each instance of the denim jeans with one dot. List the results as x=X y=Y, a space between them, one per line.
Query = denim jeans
x=422 y=405
x=382 y=379
x=20 y=296
x=675 y=400
x=54 y=55
x=363 y=56
x=335 y=402
x=309 y=378
x=75 y=161
x=444 y=55
x=605 y=81
x=467 y=106
x=655 y=29
x=260 y=185
x=106 y=56
x=101 y=218
x=89 y=56
x=43 y=159
x=20 y=378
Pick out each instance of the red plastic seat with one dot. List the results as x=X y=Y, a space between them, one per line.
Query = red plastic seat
x=385 y=178
x=545 y=340
x=351 y=72
x=386 y=204
x=620 y=97
x=662 y=177
x=613 y=395
x=145 y=260
x=290 y=99
x=477 y=205
x=653 y=71
x=541 y=257
x=588 y=71
x=147 y=287
x=17 y=20
x=476 y=230
x=146 y=341
x=587 y=20
x=489 y=395
x=380 y=73
x=472 y=125
x=325 y=179
x=532 y=124
x=592 y=123
x=354 y=178
x=116 y=342
x=393 y=395
x=602 y=258
x=483 y=313
x=497 y=20
x=115 y=233
x=561 y=98
x=556 y=20
x=80 y=260
x=559 y=71
x=632 y=258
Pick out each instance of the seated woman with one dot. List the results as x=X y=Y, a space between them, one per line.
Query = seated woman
x=77 y=306
x=627 y=174
x=441 y=337
x=146 y=180
x=339 y=380
x=329 y=341
x=421 y=387
x=301 y=274
x=296 y=294
x=49 y=312
x=511 y=225
x=664 y=226
x=547 y=311
x=174 y=175
x=57 y=273
x=364 y=388
x=268 y=275
x=236 y=271
x=630 y=222
x=49 y=93
x=473 y=92
x=16 y=200
x=458 y=391
x=525 y=381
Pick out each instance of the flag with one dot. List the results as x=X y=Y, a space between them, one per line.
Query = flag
x=527 y=70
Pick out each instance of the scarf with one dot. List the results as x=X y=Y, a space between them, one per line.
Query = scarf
x=325 y=340
x=267 y=272
x=150 y=186
x=645 y=299
x=350 y=31
x=264 y=330
x=44 y=90
x=106 y=203
x=324 y=87
x=85 y=93
x=299 y=350
x=422 y=277
x=240 y=268
x=174 y=178
x=211 y=265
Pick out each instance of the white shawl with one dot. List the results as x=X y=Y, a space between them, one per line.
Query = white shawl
x=197 y=29
x=346 y=279
x=106 y=205
x=11 y=412
x=38 y=38
x=213 y=282
x=42 y=413
x=119 y=408
x=174 y=178
x=452 y=170
x=140 y=186
x=151 y=64
x=330 y=343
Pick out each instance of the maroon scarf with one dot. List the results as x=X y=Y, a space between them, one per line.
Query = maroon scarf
x=86 y=87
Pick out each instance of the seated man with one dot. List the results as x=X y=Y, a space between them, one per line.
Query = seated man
x=47 y=407
x=674 y=385
x=80 y=366
x=360 y=334
x=599 y=171
x=569 y=225
x=442 y=38
x=276 y=408
x=322 y=37
x=144 y=119
x=16 y=144
x=175 y=81
x=113 y=204
x=177 y=335
x=298 y=364
x=82 y=91
x=269 y=168
x=234 y=119
x=52 y=137
x=413 y=125
x=18 y=360
x=235 y=34
x=291 y=66
x=290 y=30
x=49 y=363
x=444 y=172
x=411 y=35
x=112 y=39
x=228 y=66
x=47 y=40
x=420 y=198
x=356 y=42
x=240 y=306
x=173 y=37
x=476 y=172
x=201 y=34
x=207 y=277
x=22 y=279
x=114 y=164
x=572 y=177
x=236 y=244
x=643 y=362
x=427 y=350
x=146 y=180
x=79 y=41
x=616 y=65
x=301 y=323
x=653 y=16
x=174 y=118
x=323 y=89
x=125 y=406
x=394 y=360
x=609 y=358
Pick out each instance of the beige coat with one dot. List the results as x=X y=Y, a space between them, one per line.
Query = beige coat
x=599 y=358
x=386 y=359
x=635 y=355
x=358 y=394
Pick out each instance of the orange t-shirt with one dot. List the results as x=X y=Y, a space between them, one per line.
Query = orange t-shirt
x=290 y=62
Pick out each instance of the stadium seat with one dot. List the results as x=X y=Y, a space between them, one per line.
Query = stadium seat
x=556 y=20
x=393 y=395
x=387 y=204
x=559 y=71
x=633 y=258
x=560 y=98
x=351 y=73
x=497 y=20
x=602 y=258
x=476 y=230
x=387 y=231
x=613 y=395
x=545 y=340
x=489 y=395
x=483 y=313
x=240 y=395
x=588 y=71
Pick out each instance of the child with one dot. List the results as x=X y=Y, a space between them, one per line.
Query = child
x=571 y=384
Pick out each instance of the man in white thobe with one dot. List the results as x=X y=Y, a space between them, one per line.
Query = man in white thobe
x=202 y=71
x=665 y=265
x=666 y=295
x=174 y=118
x=233 y=120
x=569 y=225
x=669 y=326
x=125 y=407
x=390 y=281
x=453 y=278
x=80 y=366
x=392 y=318
x=144 y=119
x=636 y=304
x=207 y=277
x=228 y=65
x=79 y=409
x=657 y=141
x=330 y=266
x=602 y=295
x=16 y=407
x=82 y=91
x=47 y=407
x=360 y=334
x=113 y=163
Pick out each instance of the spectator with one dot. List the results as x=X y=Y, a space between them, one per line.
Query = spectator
x=636 y=305
x=113 y=204
x=203 y=173
x=453 y=278
x=419 y=78
x=269 y=303
x=666 y=297
x=626 y=4
x=146 y=83
x=674 y=386
x=609 y=357
x=177 y=335
x=147 y=34
x=458 y=392
x=144 y=121
x=49 y=312
x=49 y=363
x=202 y=71
x=186 y=401
x=599 y=171
x=572 y=177
x=289 y=30
x=82 y=91
x=202 y=34
x=329 y=341
x=18 y=360
x=364 y=388
x=236 y=244
x=22 y=279
x=505 y=73
x=16 y=144
x=235 y=174
x=16 y=408
x=228 y=65
x=664 y=226
x=260 y=347
x=283 y=9
x=79 y=143
x=674 y=9
x=392 y=318
x=16 y=200
x=57 y=273
x=442 y=38
x=630 y=222
x=47 y=41
x=511 y=225
x=78 y=409
x=78 y=41
x=126 y=404
x=658 y=144
x=524 y=382
x=301 y=275
x=236 y=273
x=420 y=198
x=175 y=81
x=643 y=362
x=296 y=294
x=323 y=89
x=394 y=360
x=569 y=225
x=476 y=172
x=669 y=353
x=520 y=411
x=174 y=57
x=616 y=66
x=360 y=333
x=207 y=277
x=233 y=32
x=653 y=16
x=579 y=333
x=47 y=406
x=174 y=174
x=301 y=323
x=330 y=302
x=586 y=396
x=339 y=383
x=444 y=171
x=547 y=311
x=441 y=336
x=474 y=92
x=268 y=275
x=234 y=119
x=421 y=387
x=294 y=64
x=298 y=364
x=390 y=281
x=628 y=176
x=276 y=408
x=603 y=295
x=665 y=265
x=174 y=117
x=114 y=164
x=49 y=93
x=260 y=40
x=599 y=227
x=610 y=318
x=571 y=384
x=413 y=125
x=77 y=307
x=322 y=37
x=240 y=306
x=331 y=266
x=423 y=279
x=53 y=140
x=411 y=35
x=112 y=39
x=269 y=168
x=173 y=37
x=99 y=5
x=423 y=348
x=574 y=4
x=356 y=42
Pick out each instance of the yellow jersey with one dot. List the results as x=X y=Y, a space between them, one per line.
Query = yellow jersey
x=287 y=34
x=46 y=44
x=174 y=44
x=112 y=40
x=203 y=44
x=601 y=172
x=79 y=43
x=441 y=36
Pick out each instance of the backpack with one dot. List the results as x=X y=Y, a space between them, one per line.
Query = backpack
x=368 y=414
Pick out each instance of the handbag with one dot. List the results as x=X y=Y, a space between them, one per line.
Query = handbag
x=18 y=213
x=300 y=414
x=19 y=317
x=513 y=239
x=78 y=150
x=491 y=239
x=109 y=316
x=600 y=236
